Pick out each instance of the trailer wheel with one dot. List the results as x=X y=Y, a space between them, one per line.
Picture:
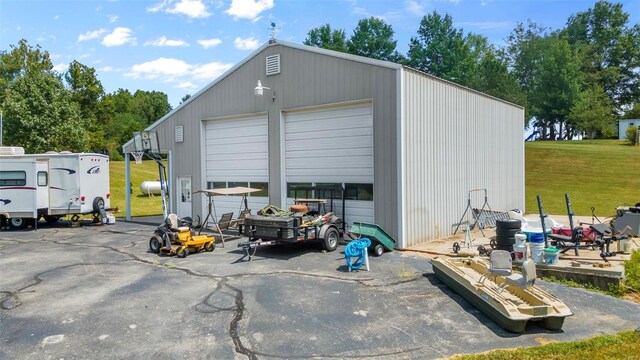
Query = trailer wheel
x=17 y=223
x=155 y=243
x=210 y=246
x=98 y=204
x=330 y=241
x=183 y=252
x=378 y=250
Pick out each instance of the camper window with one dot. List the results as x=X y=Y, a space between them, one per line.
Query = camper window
x=13 y=178
x=42 y=178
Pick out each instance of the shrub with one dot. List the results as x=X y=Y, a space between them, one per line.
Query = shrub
x=632 y=271
x=632 y=134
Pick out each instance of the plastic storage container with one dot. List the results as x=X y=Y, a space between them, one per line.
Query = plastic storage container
x=536 y=237
x=551 y=256
x=537 y=249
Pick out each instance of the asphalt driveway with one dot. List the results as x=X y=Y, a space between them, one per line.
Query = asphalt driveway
x=96 y=292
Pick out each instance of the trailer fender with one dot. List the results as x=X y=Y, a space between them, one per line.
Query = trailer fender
x=323 y=230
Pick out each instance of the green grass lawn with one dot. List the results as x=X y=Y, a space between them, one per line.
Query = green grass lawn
x=604 y=175
x=141 y=205
x=624 y=345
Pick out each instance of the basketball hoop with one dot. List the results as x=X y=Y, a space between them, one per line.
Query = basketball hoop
x=137 y=155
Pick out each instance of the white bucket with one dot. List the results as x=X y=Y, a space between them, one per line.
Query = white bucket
x=521 y=239
x=520 y=252
x=536 y=250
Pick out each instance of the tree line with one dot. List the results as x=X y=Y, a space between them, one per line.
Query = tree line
x=578 y=79
x=45 y=110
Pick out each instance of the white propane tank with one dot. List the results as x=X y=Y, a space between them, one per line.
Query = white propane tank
x=149 y=187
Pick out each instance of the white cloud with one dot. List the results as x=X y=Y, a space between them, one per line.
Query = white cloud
x=210 y=71
x=60 y=67
x=119 y=36
x=194 y=9
x=55 y=56
x=85 y=56
x=163 y=41
x=414 y=7
x=106 y=69
x=183 y=74
x=248 y=9
x=188 y=85
x=90 y=35
x=56 y=17
x=246 y=44
x=454 y=1
x=209 y=43
x=158 y=7
x=166 y=67
x=113 y=18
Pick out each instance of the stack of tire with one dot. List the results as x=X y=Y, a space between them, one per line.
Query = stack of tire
x=506 y=233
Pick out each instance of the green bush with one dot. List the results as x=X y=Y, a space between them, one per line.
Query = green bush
x=632 y=271
x=632 y=134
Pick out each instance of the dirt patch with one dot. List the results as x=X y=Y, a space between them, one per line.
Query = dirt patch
x=632 y=296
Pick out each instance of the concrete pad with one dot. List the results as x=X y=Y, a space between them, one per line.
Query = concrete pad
x=97 y=292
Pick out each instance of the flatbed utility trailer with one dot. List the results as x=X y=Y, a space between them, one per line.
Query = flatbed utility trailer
x=266 y=230
x=288 y=227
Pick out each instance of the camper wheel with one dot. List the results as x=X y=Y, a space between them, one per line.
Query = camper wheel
x=98 y=204
x=17 y=223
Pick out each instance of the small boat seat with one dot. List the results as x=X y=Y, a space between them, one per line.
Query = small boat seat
x=528 y=276
x=500 y=263
x=174 y=223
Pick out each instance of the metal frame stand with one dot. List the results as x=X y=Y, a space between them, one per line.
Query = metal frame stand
x=476 y=218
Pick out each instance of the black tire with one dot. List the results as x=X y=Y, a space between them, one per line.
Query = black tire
x=210 y=246
x=508 y=224
x=51 y=219
x=330 y=241
x=506 y=233
x=155 y=243
x=492 y=243
x=17 y=223
x=378 y=250
x=183 y=254
x=98 y=204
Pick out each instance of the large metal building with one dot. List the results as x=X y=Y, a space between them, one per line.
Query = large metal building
x=406 y=146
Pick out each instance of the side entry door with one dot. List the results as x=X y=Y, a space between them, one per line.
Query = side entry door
x=184 y=196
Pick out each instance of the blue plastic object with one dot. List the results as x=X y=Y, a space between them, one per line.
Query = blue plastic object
x=355 y=249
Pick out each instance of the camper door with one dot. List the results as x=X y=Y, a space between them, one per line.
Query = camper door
x=64 y=183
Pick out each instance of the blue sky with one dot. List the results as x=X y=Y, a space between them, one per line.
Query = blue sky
x=178 y=46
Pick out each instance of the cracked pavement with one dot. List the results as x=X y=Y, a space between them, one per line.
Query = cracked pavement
x=96 y=292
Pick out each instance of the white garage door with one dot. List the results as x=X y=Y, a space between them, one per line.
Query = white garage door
x=237 y=154
x=333 y=146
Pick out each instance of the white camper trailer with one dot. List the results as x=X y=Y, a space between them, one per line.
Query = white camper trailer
x=52 y=185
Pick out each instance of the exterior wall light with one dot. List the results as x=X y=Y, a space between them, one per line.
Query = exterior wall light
x=259 y=90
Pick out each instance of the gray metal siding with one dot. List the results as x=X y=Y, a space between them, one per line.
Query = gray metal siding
x=307 y=78
x=455 y=140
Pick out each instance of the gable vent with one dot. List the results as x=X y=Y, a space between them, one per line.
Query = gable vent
x=273 y=64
